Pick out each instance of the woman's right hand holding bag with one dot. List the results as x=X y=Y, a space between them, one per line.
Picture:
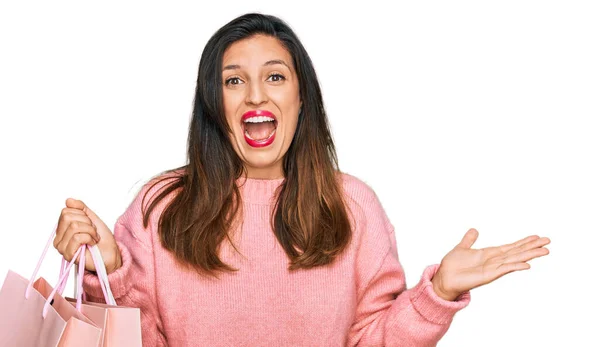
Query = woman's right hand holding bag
x=80 y=230
x=78 y=225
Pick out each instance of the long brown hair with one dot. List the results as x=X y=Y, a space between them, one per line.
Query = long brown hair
x=309 y=218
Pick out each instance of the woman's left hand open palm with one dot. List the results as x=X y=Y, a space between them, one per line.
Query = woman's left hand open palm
x=465 y=268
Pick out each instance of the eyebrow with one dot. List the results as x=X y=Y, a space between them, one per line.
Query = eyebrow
x=268 y=63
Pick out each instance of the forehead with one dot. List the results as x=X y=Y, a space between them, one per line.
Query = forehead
x=255 y=51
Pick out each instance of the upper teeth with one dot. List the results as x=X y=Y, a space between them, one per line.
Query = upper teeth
x=259 y=119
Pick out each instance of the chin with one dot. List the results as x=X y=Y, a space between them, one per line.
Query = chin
x=261 y=161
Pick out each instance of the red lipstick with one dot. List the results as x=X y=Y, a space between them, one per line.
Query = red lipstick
x=258 y=113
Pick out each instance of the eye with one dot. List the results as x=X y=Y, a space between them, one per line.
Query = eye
x=231 y=80
x=275 y=77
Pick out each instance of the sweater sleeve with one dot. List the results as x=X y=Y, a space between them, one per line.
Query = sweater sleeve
x=389 y=314
x=133 y=284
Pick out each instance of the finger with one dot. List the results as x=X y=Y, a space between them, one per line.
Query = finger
x=69 y=216
x=508 y=247
x=527 y=255
x=511 y=267
x=74 y=228
x=78 y=204
x=75 y=243
x=63 y=219
x=537 y=243
x=469 y=239
x=62 y=226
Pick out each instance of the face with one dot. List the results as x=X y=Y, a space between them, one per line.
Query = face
x=261 y=101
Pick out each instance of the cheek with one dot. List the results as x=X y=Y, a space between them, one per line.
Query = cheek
x=291 y=128
x=289 y=103
x=230 y=107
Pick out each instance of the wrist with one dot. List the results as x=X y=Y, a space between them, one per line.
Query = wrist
x=117 y=266
x=440 y=291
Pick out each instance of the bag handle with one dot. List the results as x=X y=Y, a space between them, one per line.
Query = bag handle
x=64 y=278
x=39 y=264
x=65 y=270
x=102 y=275
x=100 y=272
x=96 y=257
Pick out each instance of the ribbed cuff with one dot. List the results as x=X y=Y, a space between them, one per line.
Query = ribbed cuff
x=430 y=305
x=119 y=285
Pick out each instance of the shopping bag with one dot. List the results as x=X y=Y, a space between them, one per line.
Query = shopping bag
x=121 y=326
x=32 y=313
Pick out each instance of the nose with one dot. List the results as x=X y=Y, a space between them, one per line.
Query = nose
x=256 y=94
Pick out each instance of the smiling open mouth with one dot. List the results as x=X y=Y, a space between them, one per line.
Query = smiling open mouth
x=259 y=128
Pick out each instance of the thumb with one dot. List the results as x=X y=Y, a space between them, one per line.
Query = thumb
x=469 y=239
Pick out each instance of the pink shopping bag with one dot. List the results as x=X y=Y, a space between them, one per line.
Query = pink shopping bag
x=33 y=314
x=121 y=326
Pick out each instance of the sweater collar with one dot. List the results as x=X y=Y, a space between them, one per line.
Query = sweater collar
x=259 y=191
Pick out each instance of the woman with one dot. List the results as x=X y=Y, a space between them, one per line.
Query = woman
x=260 y=239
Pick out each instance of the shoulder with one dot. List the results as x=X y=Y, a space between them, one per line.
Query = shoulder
x=148 y=193
x=359 y=195
x=356 y=188
x=375 y=234
x=363 y=202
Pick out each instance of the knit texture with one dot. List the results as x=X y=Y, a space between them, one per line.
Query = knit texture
x=359 y=300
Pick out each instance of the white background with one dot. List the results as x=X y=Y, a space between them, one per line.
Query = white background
x=459 y=114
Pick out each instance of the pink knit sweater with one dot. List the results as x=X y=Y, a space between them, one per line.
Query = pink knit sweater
x=359 y=300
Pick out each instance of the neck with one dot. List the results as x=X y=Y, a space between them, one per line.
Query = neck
x=266 y=173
